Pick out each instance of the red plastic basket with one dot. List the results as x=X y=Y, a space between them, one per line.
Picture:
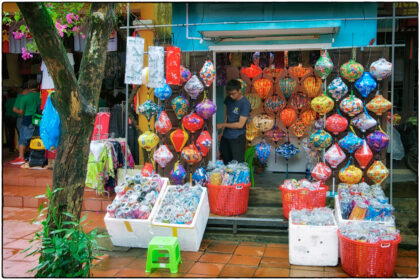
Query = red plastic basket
x=361 y=259
x=228 y=200
x=302 y=198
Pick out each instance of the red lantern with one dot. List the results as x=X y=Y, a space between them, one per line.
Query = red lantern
x=299 y=71
x=163 y=124
x=178 y=138
x=190 y=154
x=204 y=142
x=288 y=116
x=363 y=155
x=336 y=124
x=193 y=122
x=321 y=172
x=263 y=87
x=251 y=71
x=148 y=170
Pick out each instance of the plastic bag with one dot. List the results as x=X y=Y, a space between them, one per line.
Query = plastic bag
x=397 y=145
x=49 y=129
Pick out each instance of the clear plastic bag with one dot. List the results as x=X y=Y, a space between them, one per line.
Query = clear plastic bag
x=397 y=145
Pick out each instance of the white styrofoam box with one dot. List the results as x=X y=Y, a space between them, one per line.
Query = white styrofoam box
x=134 y=232
x=189 y=236
x=341 y=221
x=313 y=245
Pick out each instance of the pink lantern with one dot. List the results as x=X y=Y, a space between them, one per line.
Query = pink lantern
x=335 y=155
x=163 y=156
x=163 y=124
x=208 y=73
x=321 y=172
x=363 y=155
x=336 y=124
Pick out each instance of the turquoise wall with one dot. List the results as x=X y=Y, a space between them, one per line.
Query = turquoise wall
x=351 y=33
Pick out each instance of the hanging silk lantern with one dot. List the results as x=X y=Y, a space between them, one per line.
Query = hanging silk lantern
x=256 y=58
x=190 y=154
x=274 y=104
x=204 y=142
x=180 y=105
x=254 y=99
x=178 y=173
x=263 y=87
x=366 y=84
x=163 y=124
x=288 y=116
x=379 y=105
x=287 y=150
x=363 y=122
x=275 y=135
x=322 y=104
x=178 y=138
x=350 y=142
x=363 y=155
x=148 y=170
x=244 y=85
x=262 y=151
x=185 y=74
x=351 y=105
x=251 y=71
x=163 y=156
x=251 y=131
x=336 y=124
x=377 y=140
x=308 y=117
x=337 y=89
x=377 y=172
x=287 y=86
x=263 y=122
x=321 y=139
x=350 y=174
x=148 y=140
x=194 y=87
x=313 y=86
x=206 y=108
x=273 y=73
x=192 y=122
x=381 y=69
x=145 y=76
x=164 y=92
x=200 y=176
x=334 y=155
x=173 y=65
x=298 y=128
x=351 y=70
x=208 y=73
x=324 y=65
x=321 y=172
x=148 y=109
x=299 y=71
x=299 y=100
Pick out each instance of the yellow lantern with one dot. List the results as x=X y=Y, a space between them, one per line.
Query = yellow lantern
x=350 y=174
x=313 y=86
x=322 y=104
x=263 y=122
x=379 y=105
x=377 y=172
x=251 y=131
x=148 y=140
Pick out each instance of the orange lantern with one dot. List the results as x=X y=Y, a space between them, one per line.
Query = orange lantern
x=308 y=117
x=313 y=86
x=298 y=128
x=251 y=71
x=263 y=87
x=288 y=116
x=299 y=71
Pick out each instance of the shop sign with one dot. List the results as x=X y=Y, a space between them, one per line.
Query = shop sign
x=407 y=8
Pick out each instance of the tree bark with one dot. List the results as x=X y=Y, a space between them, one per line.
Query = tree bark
x=76 y=101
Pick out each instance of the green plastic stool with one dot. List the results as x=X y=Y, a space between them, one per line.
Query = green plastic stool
x=163 y=243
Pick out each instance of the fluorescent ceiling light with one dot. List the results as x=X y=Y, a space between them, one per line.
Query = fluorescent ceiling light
x=270 y=32
x=269 y=38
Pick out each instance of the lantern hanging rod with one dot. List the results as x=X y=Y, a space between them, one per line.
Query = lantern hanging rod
x=261 y=21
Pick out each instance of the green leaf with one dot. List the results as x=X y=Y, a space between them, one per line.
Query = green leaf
x=22 y=28
x=69 y=215
x=83 y=218
x=40 y=196
x=48 y=193
x=17 y=16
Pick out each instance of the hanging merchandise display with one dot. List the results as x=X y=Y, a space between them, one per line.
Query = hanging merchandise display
x=191 y=154
x=204 y=142
x=185 y=74
x=251 y=131
x=208 y=73
x=350 y=142
x=148 y=170
x=263 y=122
x=334 y=155
x=148 y=140
x=321 y=139
x=366 y=84
x=275 y=135
x=287 y=150
x=299 y=100
x=244 y=86
x=337 y=89
x=363 y=155
x=351 y=105
x=350 y=174
x=256 y=58
x=377 y=172
x=381 y=69
x=298 y=128
x=163 y=124
x=180 y=105
x=313 y=86
x=321 y=172
x=351 y=70
x=178 y=173
x=192 y=122
x=310 y=150
x=206 y=108
x=377 y=140
x=364 y=121
x=379 y=105
x=308 y=117
x=194 y=87
x=263 y=87
x=179 y=138
x=336 y=124
x=156 y=57
x=262 y=151
x=273 y=72
x=148 y=109
x=287 y=86
x=299 y=71
x=274 y=104
x=324 y=65
x=254 y=99
x=199 y=176
x=288 y=116
x=251 y=71
x=322 y=104
x=163 y=155
x=164 y=92
x=173 y=66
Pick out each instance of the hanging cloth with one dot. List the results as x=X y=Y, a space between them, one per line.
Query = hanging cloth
x=173 y=66
x=156 y=71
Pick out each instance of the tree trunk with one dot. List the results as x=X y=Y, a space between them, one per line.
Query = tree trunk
x=75 y=101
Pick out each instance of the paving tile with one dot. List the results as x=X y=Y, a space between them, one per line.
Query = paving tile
x=274 y=262
x=165 y=273
x=407 y=253
x=92 y=205
x=100 y=273
x=138 y=263
x=408 y=271
x=204 y=244
x=305 y=273
x=338 y=269
x=18 y=229
x=12 y=201
x=105 y=204
x=304 y=267
x=276 y=252
x=192 y=275
x=114 y=262
x=245 y=260
x=194 y=256
x=212 y=269
x=331 y=274
x=8 y=253
x=22 y=256
x=215 y=258
x=7 y=240
x=20 y=244
x=252 y=244
x=237 y=271
x=30 y=202
x=249 y=251
x=221 y=248
x=185 y=266
x=277 y=245
x=9 y=268
x=271 y=272
x=130 y=272
x=407 y=261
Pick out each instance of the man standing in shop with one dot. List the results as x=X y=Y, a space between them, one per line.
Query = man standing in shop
x=232 y=143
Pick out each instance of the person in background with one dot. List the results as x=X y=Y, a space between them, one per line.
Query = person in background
x=26 y=107
x=237 y=109
x=10 y=120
